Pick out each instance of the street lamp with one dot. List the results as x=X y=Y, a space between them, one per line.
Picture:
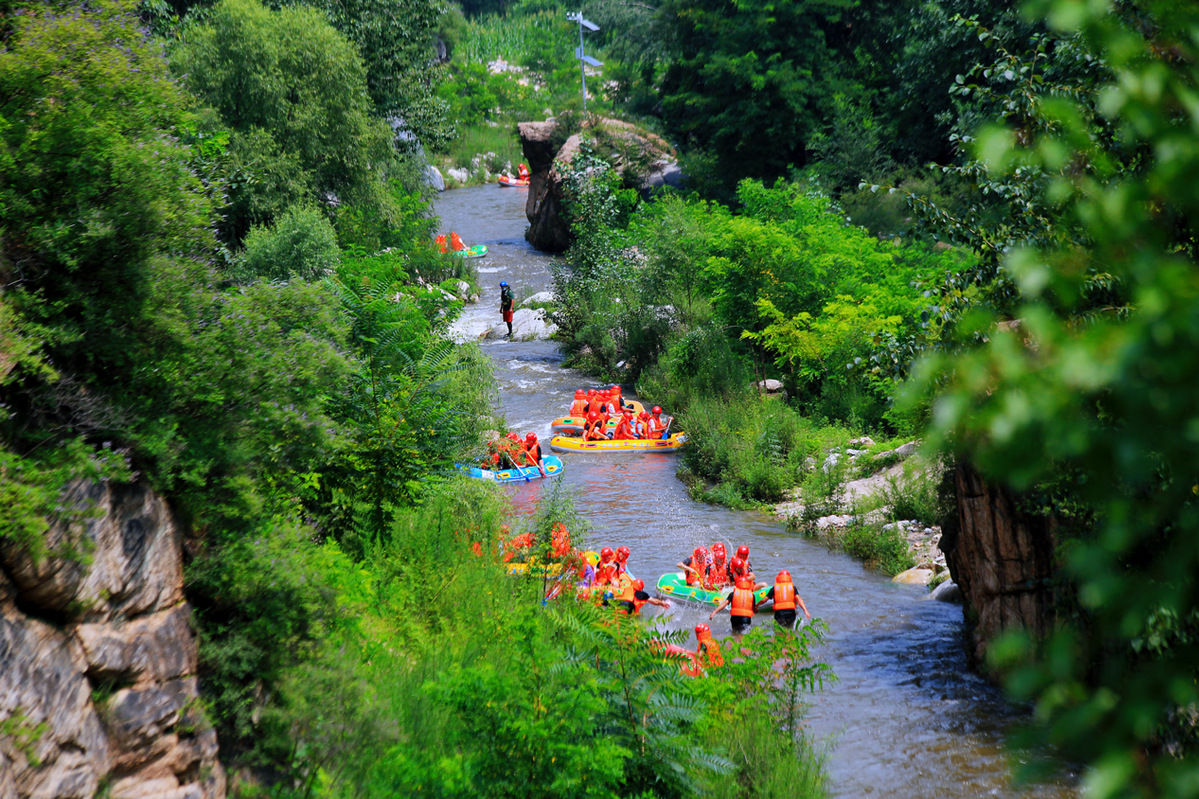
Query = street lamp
x=584 y=59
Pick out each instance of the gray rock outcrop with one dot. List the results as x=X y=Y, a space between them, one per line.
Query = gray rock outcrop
x=98 y=686
x=1003 y=561
x=644 y=160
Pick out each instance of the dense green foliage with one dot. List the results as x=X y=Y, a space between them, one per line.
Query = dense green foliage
x=290 y=89
x=296 y=402
x=1103 y=395
x=696 y=302
x=743 y=74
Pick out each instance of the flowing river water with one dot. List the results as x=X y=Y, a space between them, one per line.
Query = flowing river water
x=904 y=717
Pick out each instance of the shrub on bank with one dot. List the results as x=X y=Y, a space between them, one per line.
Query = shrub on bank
x=878 y=547
x=423 y=670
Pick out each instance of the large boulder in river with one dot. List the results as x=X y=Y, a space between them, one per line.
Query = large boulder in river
x=643 y=160
x=527 y=324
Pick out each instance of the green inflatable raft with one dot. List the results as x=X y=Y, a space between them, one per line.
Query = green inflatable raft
x=674 y=586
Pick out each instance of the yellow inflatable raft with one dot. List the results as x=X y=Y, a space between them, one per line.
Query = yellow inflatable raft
x=575 y=444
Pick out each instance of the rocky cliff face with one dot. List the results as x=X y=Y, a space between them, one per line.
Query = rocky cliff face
x=98 y=661
x=654 y=167
x=1002 y=559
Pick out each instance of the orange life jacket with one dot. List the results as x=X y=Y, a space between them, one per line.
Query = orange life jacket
x=578 y=407
x=624 y=431
x=784 y=596
x=629 y=594
x=456 y=242
x=743 y=602
x=693 y=577
x=440 y=242
x=605 y=573
x=560 y=541
x=717 y=574
x=522 y=171
x=708 y=652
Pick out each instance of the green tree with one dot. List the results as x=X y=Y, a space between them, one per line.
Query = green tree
x=396 y=39
x=292 y=91
x=301 y=243
x=1105 y=395
x=747 y=82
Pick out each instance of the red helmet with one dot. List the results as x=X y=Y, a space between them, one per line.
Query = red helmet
x=699 y=553
x=616 y=390
x=784 y=577
x=512 y=437
x=579 y=393
x=639 y=584
x=702 y=629
x=718 y=549
x=531 y=437
x=744 y=583
x=657 y=409
x=591 y=392
x=742 y=551
x=622 y=554
x=737 y=564
x=606 y=554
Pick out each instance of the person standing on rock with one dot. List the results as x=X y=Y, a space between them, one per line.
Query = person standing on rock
x=506 y=305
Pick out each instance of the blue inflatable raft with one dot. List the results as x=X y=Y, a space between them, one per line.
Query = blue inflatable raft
x=552 y=464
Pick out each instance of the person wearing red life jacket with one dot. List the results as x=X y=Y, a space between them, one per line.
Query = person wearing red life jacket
x=659 y=427
x=456 y=242
x=605 y=571
x=440 y=243
x=624 y=428
x=617 y=400
x=717 y=574
x=707 y=651
x=559 y=541
x=579 y=406
x=786 y=598
x=741 y=606
x=739 y=567
x=592 y=401
x=593 y=428
x=522 y=172
x=605 y=417
x=611 y=402
x=641 y=425
x=622 y=561
x=518 y=548
x=533 y=452
x=694 y=567
x=633 y=597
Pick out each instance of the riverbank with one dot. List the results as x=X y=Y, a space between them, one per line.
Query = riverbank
x=868 y=516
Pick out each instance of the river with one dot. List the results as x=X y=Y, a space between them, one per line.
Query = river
x=904 y=717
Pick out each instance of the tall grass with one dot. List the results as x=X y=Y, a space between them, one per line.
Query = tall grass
x=753 y=448
x=514 y=39
x=482 y=138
